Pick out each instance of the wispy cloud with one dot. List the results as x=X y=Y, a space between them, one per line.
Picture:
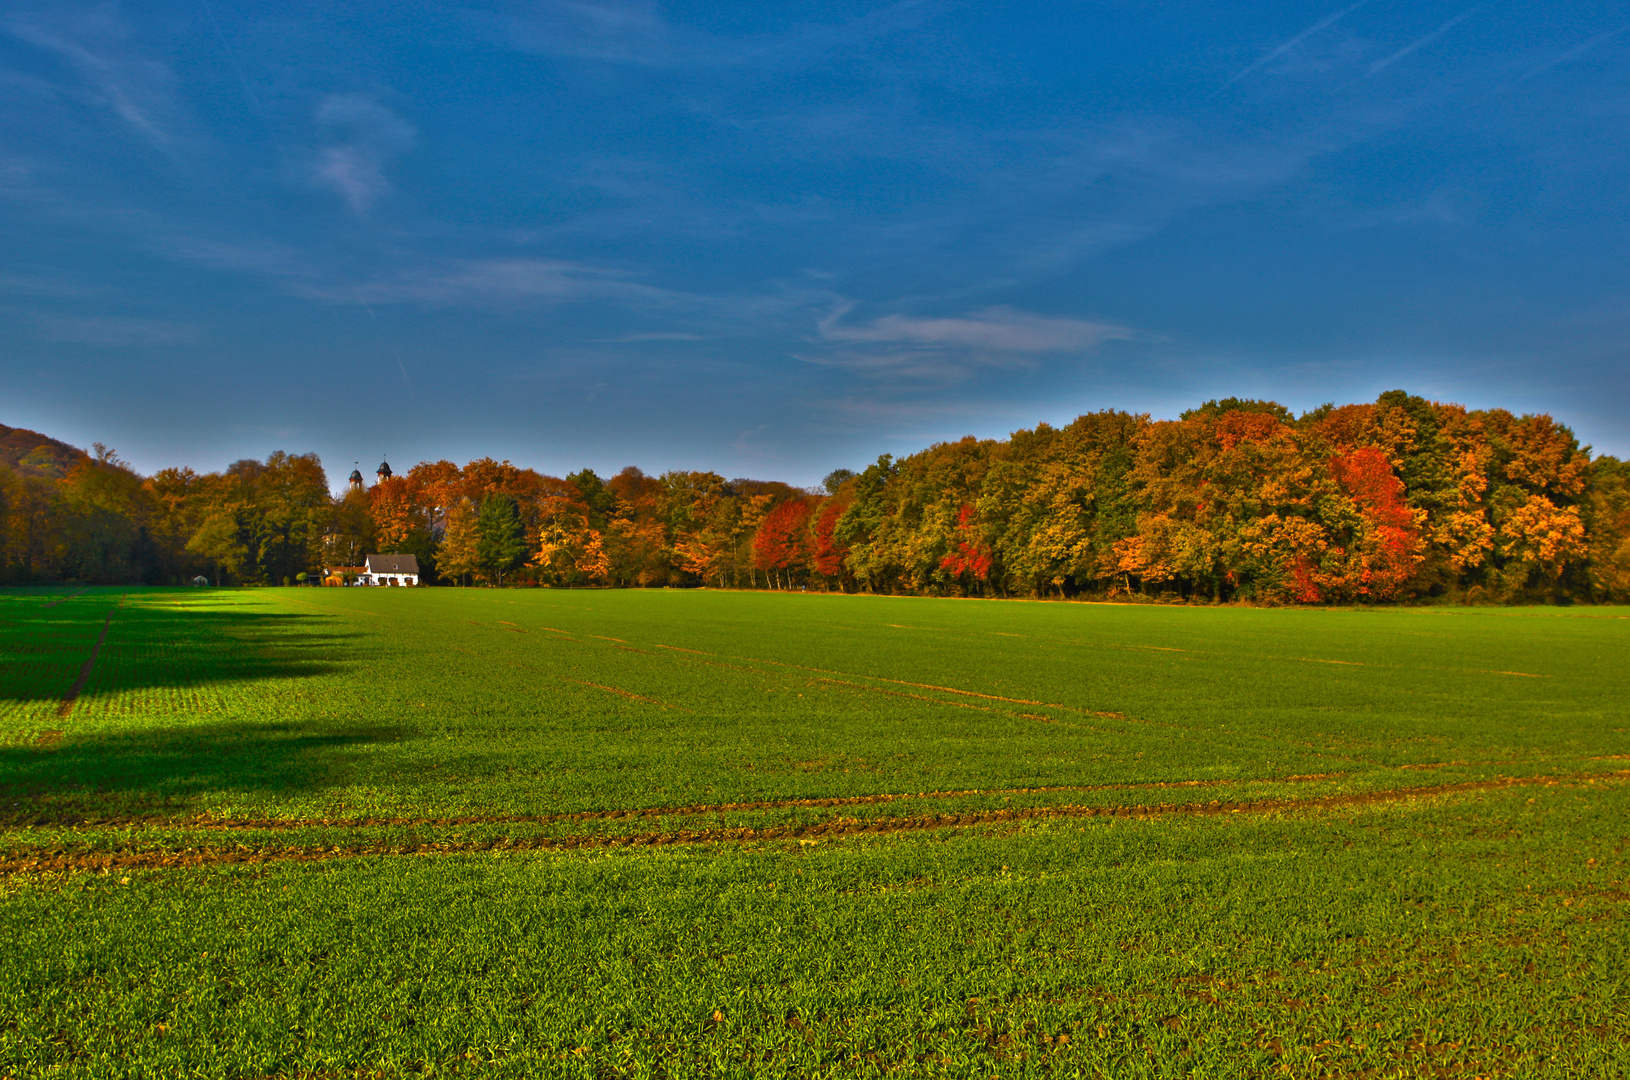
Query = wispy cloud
x=361 y=137
x=246 y=256
x=629 y=33
x=492 y=282
x=880 y=22
x=905 y=357
x=747 y=444
x=43 y=285
x=1387 y=61
x=95 y=43
x=1280 y=50
x=999 y=329
x=637 y=34
x=112 y=331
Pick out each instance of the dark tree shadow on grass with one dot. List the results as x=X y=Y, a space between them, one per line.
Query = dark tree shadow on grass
x=163 y=772
x=172 y=644
x=63 y=775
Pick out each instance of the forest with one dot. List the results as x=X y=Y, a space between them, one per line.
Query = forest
x=1400 y=500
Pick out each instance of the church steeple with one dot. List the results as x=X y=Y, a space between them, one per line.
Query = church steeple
x=356 y=477
x=384 y=472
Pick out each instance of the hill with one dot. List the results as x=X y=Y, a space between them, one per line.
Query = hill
x=25 y=451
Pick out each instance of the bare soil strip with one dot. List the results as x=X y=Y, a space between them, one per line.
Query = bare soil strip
x=61 y=599
x=615 y=690
x=57 y=860
x=207 y=824
x=72 y=696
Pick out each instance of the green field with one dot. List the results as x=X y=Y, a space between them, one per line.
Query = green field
x=358 y=832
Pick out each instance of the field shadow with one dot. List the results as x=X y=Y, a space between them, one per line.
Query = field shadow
x=164 y=771
x=42 y=653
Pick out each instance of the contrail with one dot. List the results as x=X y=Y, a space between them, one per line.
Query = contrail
x=403 y=369
x=1577 y=51
x=1281 y=50
x=1387 y=61
x=243 y=80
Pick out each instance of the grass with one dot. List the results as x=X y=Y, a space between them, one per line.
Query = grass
x=390 y=832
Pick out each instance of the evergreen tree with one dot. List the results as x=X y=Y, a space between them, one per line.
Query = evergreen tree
x=501 y=537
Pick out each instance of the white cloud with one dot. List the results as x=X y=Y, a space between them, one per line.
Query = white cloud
x=998 y=329
x=362 y=137
x=493 y=281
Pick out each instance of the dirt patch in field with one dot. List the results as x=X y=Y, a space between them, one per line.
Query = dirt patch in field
x=47 y=860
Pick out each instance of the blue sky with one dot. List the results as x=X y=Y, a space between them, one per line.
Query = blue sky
x=774 y=239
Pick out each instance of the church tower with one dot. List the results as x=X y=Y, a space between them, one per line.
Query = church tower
x=384 y=472
x=356 y=478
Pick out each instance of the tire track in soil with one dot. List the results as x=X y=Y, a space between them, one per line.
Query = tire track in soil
x=688 y=810
x=67 y=706
x=580 y=682
x=56 y=861
x=1076 y=709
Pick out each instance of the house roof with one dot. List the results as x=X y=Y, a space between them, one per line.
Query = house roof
x=393 y=564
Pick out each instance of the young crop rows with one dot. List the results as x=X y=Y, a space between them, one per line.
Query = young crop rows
x=668 y=833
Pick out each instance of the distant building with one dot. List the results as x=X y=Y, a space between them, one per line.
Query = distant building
x=356 y=479
x=342 y=575
x=200 y=580
x=390 y=570
x=384 y=471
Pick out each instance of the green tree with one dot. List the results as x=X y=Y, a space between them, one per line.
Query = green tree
x=500 y=536
x=600 y=499
x=836 y=479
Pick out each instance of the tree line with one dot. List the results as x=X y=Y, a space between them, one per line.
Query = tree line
x=1397 y=500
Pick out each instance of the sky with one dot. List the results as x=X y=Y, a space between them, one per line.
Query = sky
x=774 y=239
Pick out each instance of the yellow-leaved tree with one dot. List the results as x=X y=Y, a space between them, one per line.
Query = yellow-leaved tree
x=457 y=557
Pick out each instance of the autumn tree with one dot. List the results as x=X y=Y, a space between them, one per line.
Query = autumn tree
x=1608 y=529
x=570 y=548
x=827 y=552
x=781 y=547
x=458 y=555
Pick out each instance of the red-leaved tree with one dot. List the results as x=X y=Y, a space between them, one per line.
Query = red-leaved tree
x=829 y=551
x=972 y=554
x=783 y=541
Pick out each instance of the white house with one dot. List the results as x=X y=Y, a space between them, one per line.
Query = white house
x=389 y=570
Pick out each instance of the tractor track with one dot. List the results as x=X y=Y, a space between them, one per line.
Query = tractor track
x=209 y=824
x=57 y=860
x=66 y=707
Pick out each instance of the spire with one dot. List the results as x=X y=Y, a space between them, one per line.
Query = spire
x=384 y=471
x=356 y=477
